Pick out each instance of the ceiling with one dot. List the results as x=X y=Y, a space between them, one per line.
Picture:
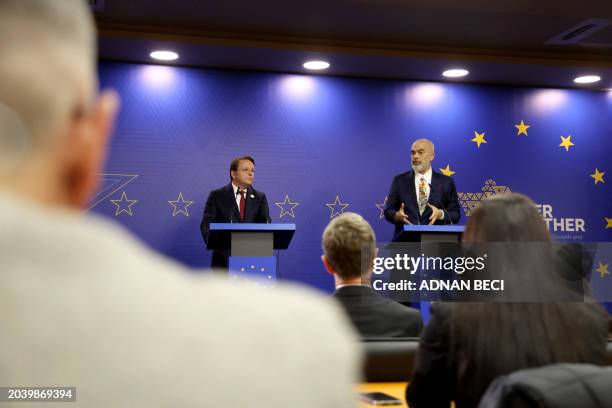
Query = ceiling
x=519 y=42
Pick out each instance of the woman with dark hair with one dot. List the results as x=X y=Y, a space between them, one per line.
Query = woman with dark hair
x=466 y=346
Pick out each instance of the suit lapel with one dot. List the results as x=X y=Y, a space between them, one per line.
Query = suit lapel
x=230 y=202
x=414 y=206
x=436 y=188
x=250 y=207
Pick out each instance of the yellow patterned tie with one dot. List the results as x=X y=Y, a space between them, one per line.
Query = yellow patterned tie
x=422 y=195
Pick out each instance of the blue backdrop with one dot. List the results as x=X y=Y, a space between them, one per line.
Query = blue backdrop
x=324 y=145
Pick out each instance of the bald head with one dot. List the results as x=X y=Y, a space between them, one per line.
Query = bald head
x=422 y=154
x=48 y=112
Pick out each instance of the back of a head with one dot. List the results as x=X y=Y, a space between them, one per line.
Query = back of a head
x=513 y=235
x=495 y=338
x=510 y=217
x=349 y=243
x=47 y=68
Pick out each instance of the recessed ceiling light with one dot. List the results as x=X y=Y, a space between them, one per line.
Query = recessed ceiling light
x=316 y=65
x=455 y=73
x=164 y=55
x=587 y=79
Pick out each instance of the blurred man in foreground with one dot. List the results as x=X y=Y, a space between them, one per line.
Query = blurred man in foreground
x=83 y=304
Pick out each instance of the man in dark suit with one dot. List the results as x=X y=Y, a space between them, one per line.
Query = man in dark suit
x=422 y=196
x=349 y=246
x=236 y=202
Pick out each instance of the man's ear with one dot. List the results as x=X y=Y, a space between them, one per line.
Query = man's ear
x=374 y=259
x=89 y=138
x=327 y=265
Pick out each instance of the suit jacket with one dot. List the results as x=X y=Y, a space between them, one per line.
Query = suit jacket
x=85 y=304
x=374 y=315
x=221 y=207
x=442 y=195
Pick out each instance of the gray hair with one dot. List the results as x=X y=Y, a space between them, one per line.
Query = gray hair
x=47 y=71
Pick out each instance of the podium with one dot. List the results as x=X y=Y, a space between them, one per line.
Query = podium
x=430 y=233
x=251 y=246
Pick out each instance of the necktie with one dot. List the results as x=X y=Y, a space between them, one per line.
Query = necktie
x=422 y=195
x=242 y=204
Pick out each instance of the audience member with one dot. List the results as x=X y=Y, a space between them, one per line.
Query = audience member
x=466 y=346
x=349 y=249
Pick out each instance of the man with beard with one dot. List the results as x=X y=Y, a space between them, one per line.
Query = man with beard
x=422 y=196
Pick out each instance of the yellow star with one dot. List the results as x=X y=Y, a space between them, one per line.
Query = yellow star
x=447 y=171
x=598 y=176
x=566 y=142
x=603 y=270
x=180 y=205
x=609 y=221
x=121 y=205
x=522 y=128
x=479 y=138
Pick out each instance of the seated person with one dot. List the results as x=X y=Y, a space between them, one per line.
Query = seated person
x=466 y=346
x=349 y=249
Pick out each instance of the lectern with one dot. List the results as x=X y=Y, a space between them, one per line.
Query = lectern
x=428 y=236
x=251 y=246
x=430 y=233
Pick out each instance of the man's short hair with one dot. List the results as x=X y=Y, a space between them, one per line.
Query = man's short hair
x=349 y=243
x=47 y=69
x=234 y=164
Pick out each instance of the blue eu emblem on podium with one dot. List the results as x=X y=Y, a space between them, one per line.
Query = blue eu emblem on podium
x=259 y=269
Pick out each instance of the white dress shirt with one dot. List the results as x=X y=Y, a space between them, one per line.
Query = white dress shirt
x=237 y=196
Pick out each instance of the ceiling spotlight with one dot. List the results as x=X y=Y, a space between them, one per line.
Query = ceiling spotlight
x=316 y=65
x=587 y=79
x=164 y=55
x=455 y=73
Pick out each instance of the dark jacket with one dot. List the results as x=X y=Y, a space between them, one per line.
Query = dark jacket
x=373 y=315
x=221 y=207
x=442 y=195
